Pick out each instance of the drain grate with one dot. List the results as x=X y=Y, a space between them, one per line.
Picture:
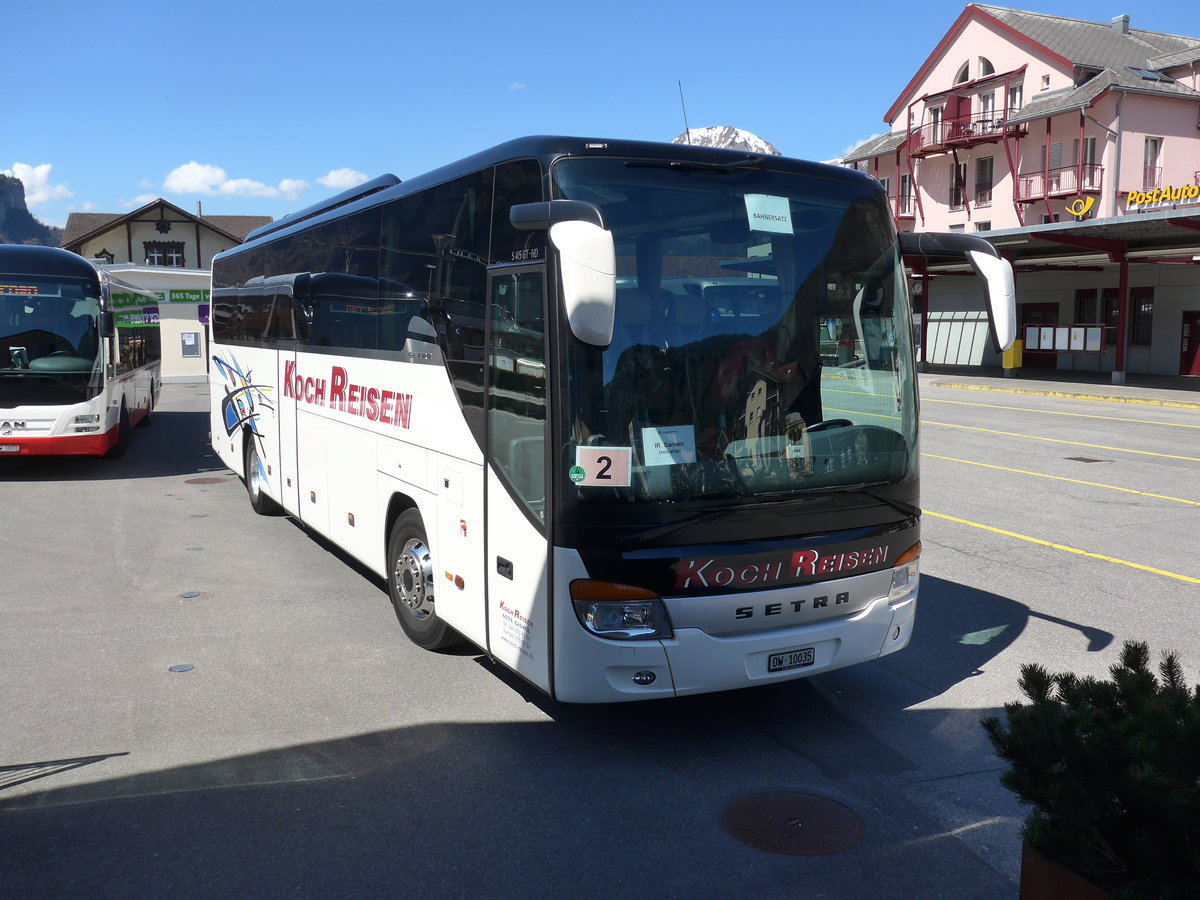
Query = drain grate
x=794 y=824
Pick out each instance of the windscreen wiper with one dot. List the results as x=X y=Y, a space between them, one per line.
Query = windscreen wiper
x=642 y=537
x=910 y=511
x=752 y=161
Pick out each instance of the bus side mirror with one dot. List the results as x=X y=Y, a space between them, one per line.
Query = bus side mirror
x=996 y=273
x=108 y=324
x=587 y=259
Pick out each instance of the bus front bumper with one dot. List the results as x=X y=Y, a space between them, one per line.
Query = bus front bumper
x=58 y=445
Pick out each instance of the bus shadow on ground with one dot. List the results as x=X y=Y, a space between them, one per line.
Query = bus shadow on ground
x=175 y=443
x=613 y=800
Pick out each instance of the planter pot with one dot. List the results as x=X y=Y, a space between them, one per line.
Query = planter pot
x=1043 y=879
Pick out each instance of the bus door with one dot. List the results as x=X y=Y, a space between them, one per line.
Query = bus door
x=518 y=606
x=285 y=418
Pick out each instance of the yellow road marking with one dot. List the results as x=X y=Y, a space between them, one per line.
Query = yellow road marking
x=1052 y=412
x=1072 y=395
x=1024 y=537
x=1111 y=487
x=1033 y=437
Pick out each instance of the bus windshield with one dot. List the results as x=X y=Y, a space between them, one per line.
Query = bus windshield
x=762 y=347
x=49 y=340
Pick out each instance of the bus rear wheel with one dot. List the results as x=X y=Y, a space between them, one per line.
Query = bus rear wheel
x=256 y=481
x=410 y=584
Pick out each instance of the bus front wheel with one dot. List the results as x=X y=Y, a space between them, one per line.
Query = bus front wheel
x=256 y=480
x=117 y=450
x=410 y=584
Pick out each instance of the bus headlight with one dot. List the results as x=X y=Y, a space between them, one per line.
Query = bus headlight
x=619 y=611
x=89 y=422
x=905 y=575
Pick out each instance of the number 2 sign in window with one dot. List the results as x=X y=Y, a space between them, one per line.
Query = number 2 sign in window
x=602 y=466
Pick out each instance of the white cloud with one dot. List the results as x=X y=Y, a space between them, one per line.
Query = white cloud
x=342 y=178
x=858 y=144
x=292 y=188
x=210 y=180
x=36 y=179
x=244 y=187
x=517 y=86
x=139 y=201
x=195 y=178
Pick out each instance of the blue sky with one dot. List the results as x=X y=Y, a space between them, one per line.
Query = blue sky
x=260 y=107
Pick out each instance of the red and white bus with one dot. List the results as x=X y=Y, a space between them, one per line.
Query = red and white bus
x=79 y=355
x=637 y=420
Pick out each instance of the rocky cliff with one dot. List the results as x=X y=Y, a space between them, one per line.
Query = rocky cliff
x=17 y=226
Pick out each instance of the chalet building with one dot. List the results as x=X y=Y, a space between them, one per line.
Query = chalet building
x=169 y=251
x=1074 y=147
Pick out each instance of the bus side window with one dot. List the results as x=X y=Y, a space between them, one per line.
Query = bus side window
x=517 y=387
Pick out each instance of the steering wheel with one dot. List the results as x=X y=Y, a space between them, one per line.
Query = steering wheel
x=830 y=423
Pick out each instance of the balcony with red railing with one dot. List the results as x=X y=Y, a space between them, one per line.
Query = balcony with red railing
x=904 y=206
x=959 y=132
x=1060 y=182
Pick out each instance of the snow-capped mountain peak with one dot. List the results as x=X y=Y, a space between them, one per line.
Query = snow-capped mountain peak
x=728 y=137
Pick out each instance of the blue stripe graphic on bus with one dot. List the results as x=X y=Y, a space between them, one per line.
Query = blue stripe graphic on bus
x=244 y=401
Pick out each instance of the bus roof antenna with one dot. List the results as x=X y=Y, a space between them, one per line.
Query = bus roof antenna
x=687 y=132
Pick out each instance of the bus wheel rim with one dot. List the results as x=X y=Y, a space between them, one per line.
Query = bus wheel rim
x=414 y=578
x=256 y=473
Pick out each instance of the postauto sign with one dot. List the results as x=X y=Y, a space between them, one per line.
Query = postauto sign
x=1156 y=198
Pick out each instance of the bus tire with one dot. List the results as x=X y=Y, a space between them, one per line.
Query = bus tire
x=118 y=449
x=256 y=481
x=411 y=582
x=144 y=421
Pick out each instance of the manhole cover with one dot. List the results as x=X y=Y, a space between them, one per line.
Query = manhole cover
x=793 y=824
x=206 y=480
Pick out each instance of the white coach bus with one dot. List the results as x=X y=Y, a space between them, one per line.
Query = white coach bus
x=637 y=420
x=80 y=357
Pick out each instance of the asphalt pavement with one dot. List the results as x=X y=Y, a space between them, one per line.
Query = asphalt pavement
x=308 y=750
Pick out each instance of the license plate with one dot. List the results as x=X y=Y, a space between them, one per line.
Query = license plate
x=792 y=659
x=10 y=448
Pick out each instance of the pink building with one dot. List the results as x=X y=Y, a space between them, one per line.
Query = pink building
x=1075 y=147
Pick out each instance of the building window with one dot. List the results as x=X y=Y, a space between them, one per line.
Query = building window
x=108 y=256
x=964 y=74
x=164 y=253
x=958 y=229
x=1045 y=82
x=983 y=226
x=1110 y=304
x=935 y=128
x=906 y=200
x=1141 y=315
x=985 y=121
x=1016 y=98
x=985 y=67
x=1091 y=175
x=983 y=181
x=1152 y=171
x=1085 y=306
x=1049 y=219
x=958 y=186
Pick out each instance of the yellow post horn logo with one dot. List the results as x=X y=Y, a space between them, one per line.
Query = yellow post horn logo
x=1080 y=207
